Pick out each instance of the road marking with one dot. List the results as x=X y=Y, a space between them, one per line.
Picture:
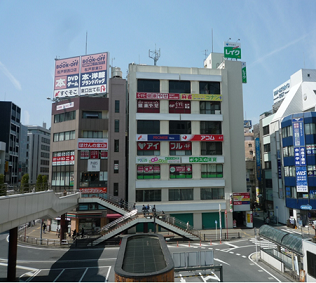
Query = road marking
x=21 y=267
x=59 y=275
x=237 y=254
x=33 y=275
x=107 y=275
x=234 y=246
x=83 y=274
x=231 y=252
x=244 y=256
x=221 y=261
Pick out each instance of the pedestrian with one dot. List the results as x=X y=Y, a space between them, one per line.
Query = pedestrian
x=144 y=209
x=147 y=208
x=44 y=227
x=154 y=210
x=188 y=226
x=57 y=231
x=121 y=203
x=134 y=206
x=82 y=232
x=74 y=234
x=65 y=192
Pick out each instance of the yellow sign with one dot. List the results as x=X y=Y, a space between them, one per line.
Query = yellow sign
x=201 y=97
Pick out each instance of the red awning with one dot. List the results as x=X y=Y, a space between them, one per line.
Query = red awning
x=113 y=216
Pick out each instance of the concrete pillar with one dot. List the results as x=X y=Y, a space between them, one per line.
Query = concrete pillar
x=12 y=254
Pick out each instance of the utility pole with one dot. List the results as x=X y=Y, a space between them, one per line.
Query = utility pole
x=155 y=56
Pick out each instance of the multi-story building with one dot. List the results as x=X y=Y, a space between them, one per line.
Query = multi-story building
x=288 y=145
x=186 y=143
x=250 y=154
x=88 y=149
x=10 y=117
x=38 y=149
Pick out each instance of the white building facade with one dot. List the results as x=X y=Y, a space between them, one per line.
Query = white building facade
x=186 y=141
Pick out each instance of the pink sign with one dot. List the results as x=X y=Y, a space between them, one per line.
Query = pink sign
x=201 y=137
x=148 y=146
x=69 y=66
x=95 y=62
x=93 y=190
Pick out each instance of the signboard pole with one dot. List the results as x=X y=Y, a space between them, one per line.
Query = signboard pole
x=220 y=223
x=216 y=228
x=226 y=222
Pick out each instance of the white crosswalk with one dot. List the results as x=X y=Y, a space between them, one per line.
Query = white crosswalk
x=194 y=245
x=262 y=243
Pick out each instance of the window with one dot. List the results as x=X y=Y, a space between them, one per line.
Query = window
x=267 y=164
x=148 y=106
x=249 y=145
x=210 y=127
x=63 y=176
x=179 y=127
x=92 y=134
x=117 y=106
x=211 y=148
x=179 y=87
x=148 y=171
x=216 y=193
x=66 y=116
x=93 y=179
x=116 y=189
x=311 y=264
x=310 y=129
x=210 y=107
x=64 y=136
x=266 y=147
x=287 y=132
x=91 y=114
x=116 y=145
x=148 y=195
x=268 y=183
x=179 y=106
x=148 y=148
x=210 y=88
x=116 y=166
x=265 y=130
x=288 y=151
x=116 y=126
x=180 y=148
x=148 y=127
x=180 y=194
x=251 y=152
x=180 y=171
x=148 y=85
x=289 y=171
x=212 y=171
x=290 y=192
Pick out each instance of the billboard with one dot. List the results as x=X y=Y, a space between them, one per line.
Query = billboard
x=179 y=96
x=81 y=75
x=243 y=72
x=281 y=91
x=247 y=124
x=232 y=50
x=92 y=144
x=301 y=179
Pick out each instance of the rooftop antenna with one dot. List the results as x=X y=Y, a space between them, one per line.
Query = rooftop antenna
x=155 y=56
x=112 y=61
x=86 y=42
x=205 y=54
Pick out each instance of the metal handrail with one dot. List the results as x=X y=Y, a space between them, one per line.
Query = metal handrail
x=118 y=224
x=119 y=220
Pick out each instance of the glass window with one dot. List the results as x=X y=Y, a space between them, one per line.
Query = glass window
x=117 y=106
x=56 y=137
x=116 y=126
x=212 y=171
x=266 y=147
x=210 y=107
x=148 y=148
x=180 y=194
x=210 y=88
x=179 y=87
x=265 y=130
x=61 y=136
x=180 y=127
x=148 y=85
x=211 y=148
x=148 y=195
x=180 y=171
x=148 y=171
x=116 y=145
x=148 y=127
x=311 y=264
x=210 y=127
x=310 y=129
x=91 y=114
x=116 y=189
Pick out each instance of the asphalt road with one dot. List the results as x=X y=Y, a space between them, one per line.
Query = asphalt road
x=40 y=264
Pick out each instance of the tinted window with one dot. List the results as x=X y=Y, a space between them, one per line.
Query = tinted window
x=148 y=85
x=180 y=127
x=148 y=127
x=179 y=87
x=210 y=87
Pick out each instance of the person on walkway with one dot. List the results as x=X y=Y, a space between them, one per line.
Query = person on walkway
x=134 y=206
x=44 y=227
x=188 y=225
x=82 y=232
x=74 y=234
x=154 y=211
x=144 y=209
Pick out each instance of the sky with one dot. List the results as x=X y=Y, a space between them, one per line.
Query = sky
x=277 y=38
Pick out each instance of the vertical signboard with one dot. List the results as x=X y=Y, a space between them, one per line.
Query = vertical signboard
x=232 y=50
x=66 y=82
x=93 y=77
x=243 y=72
x=300 y=155
x=258 y=159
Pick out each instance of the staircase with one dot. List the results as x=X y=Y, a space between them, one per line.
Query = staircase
x=131 y=217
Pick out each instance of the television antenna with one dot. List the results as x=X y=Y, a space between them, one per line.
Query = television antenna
x=155 y=56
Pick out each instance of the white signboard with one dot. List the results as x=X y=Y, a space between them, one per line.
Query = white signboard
x=281 y=91
x=93 y=165
x=202 y=159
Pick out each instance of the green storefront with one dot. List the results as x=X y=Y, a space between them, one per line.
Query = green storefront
x=209 y=218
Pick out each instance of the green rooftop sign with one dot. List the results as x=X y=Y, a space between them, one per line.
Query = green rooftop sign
x=232 y=50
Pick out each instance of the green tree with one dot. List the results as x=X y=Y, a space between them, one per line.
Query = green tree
x=39 y=183
x=44 y=182
x=3 y=191
x=25 y=183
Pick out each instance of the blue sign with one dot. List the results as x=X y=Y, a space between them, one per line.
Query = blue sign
x=279 y=169
x=163 y=137
x=298 y=132
x=258 y=159
x=247 y=124
x=300 y=156
x=306 y=207
x=301 y=179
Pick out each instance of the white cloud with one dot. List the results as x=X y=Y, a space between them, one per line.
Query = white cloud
x=14 y=81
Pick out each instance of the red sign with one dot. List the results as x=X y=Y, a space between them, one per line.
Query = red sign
x=147 y=104
x=180 y=104
x=201 y=137
x=180 y=145
x=94 y=154
x=148 y=146
x=104 y=154
x=88 y=145
x=152 y=95
x=84 y=154
x=93 y=190
x=64 y=159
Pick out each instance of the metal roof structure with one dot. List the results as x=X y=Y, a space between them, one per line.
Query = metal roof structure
x=292 y=242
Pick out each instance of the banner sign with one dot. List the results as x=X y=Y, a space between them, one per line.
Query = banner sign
x=258 y=159
x=279 y=169
x=299 y=155
x=93 y=190
x=179 y=105
x=201 y=137
x=104 y=154
x=148 y=104
x=243 y=72
x=157 y=159
x=298 y=132
x=178 y=96
x=64 y=158
x=182 y=169
x=93 y=78
x=157 y=137
x=66 y=82
x=281 y=91
x=92 y=144
x=311 y=149
x=241 y=198
x=65 y=106
x=247 y=124
x=93 y=165
x=301 y=180
x=232 y=50
x=180 y=146
x=148 y=146
x=203 y=159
